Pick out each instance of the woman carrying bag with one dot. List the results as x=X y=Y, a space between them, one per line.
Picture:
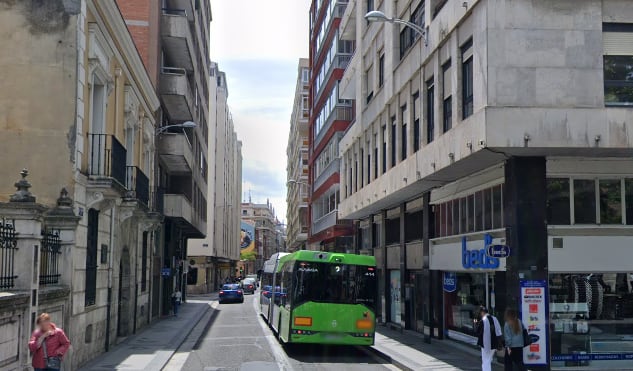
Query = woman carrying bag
x=514 y=341
x=48 y=344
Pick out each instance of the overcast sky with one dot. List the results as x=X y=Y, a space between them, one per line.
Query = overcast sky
x=258 y=44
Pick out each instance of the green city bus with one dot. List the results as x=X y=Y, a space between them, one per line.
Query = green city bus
x=320 y=297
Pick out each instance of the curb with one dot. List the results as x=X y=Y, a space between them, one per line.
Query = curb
x=372 y=351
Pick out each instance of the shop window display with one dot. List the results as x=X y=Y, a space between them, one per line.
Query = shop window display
x=591 y=320
x=461 y=305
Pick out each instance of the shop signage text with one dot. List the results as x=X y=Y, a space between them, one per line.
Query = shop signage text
x=498 y=251
x=478 y=259
x=450 y=281
x=534 y=318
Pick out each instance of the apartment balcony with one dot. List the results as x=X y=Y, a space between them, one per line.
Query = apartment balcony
x=106 y=164
x=347 y=86
x=137 y=184
x=184 y=5
x=177 y=41
x=178 y=208
x=340 y=61
x=331 y=169
x=324 y=222
x=175 y=153
x=341 y=112
x=176 y=94
x=347 y=27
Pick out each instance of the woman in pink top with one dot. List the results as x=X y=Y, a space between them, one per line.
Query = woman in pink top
x=56 y=342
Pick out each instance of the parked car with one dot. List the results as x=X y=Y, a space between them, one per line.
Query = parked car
x=248 y=286
x=231 y=292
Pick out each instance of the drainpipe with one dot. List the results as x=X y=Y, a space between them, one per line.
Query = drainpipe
x=110 y=265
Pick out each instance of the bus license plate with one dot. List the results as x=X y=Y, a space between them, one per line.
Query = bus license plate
x=333 y=336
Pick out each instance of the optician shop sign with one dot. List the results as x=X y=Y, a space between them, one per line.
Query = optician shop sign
x=478 y=258
x=449 y=281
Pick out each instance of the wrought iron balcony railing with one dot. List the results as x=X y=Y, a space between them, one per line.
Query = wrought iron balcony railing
x=138 y=183
x=107 y=157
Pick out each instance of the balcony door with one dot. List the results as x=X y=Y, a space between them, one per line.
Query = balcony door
x=98 y=139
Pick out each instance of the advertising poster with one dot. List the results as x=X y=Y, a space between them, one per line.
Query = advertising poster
x=394 y=290
x=247 y=237
x=533 y=316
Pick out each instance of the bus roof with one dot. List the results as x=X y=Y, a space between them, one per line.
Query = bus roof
x=329 y=257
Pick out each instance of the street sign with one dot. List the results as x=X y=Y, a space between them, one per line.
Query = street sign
x=165 y=272
x=498 y=251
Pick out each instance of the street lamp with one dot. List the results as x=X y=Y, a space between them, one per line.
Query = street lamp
x=184 y=125
x=378 y=16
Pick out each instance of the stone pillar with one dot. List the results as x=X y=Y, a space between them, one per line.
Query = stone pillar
x=25 y=215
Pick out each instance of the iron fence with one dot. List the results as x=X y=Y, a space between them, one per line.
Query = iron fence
x=50 y=256
x=8 y=247
x=107 y=157
x=137 y=182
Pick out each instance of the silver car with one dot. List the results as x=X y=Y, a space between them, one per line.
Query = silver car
x=248 y=286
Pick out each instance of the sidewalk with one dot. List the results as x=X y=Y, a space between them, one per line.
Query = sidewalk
x=408 y=351
x=152 y=347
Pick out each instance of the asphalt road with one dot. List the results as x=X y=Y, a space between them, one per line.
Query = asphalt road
x=238 y=339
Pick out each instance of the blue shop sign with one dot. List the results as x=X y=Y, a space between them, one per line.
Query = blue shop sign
x=450 y=281
x=165 y=272
x=478 y=259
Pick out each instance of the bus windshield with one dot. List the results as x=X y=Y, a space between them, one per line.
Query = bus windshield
x=334 y=283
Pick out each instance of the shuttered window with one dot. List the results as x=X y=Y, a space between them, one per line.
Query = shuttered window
x=618 y=64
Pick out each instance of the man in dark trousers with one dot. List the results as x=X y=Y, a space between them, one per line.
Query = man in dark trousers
x=489 y=335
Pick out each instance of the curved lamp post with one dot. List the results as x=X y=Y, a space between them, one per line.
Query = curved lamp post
x=378 y=16
x=184 y=125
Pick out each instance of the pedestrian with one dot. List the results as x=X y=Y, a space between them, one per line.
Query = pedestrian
x=176 y=297
x=48 y=344
x=513 y=336
x=489 y=337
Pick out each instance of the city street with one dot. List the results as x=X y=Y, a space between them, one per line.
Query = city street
x=238 y=339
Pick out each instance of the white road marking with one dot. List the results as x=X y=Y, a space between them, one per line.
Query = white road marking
x=278 y=352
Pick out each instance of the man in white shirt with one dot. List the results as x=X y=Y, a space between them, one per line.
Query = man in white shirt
x=488 y=339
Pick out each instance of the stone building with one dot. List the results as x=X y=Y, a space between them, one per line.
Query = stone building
x=267 y=234
x=79 y=111
x=490 y=160
x=172 y=38
x=297 y=167
x=216 y=255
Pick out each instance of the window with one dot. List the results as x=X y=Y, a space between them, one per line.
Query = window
x=407 y=35
x=369 y=83
x=91 y=257
x=497 y=207
x=558 y=211
x=403 y=138
x=384 y=149
x=447 y=105
x=584 y=201
x=376 y=161
x=370 y=5
x=628 y=197
x=381 y=70
x=416 y=122
x=144 y=248
x=430 y=110
x=618 y=64
x=610 y=192
x=467 y=79
x=305 y=75
x=368 y=163
x=393 y=141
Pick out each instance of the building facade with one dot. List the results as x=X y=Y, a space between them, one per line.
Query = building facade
x=297 y=167
x=268 y=235
x=172 y=37
x=330 y=116
x=488 y=161
x=81 y=115
x=216 y=255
